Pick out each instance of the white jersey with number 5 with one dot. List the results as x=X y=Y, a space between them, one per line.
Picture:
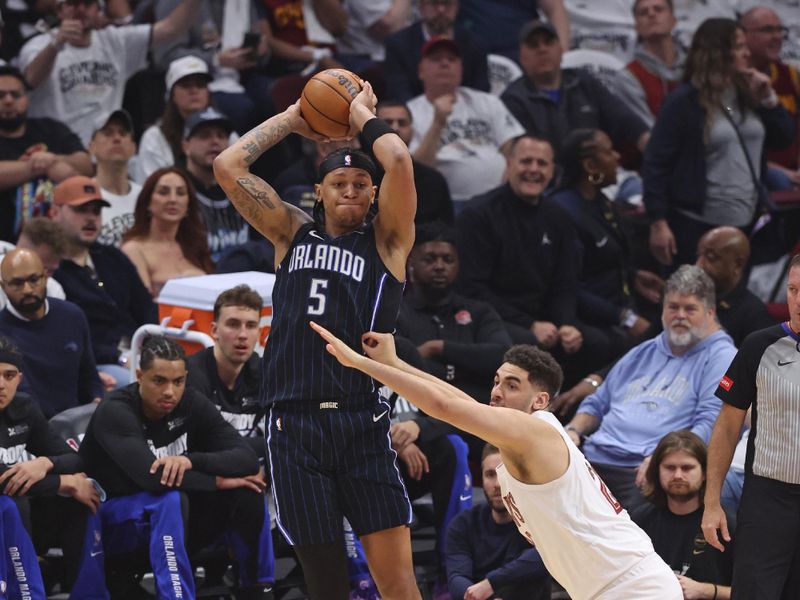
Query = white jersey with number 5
x=585 y=537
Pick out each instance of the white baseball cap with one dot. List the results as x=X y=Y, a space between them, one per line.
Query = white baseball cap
x=183 y=67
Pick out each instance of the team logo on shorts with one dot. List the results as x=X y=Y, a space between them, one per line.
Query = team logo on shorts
x=726 y=383
x=3 y=586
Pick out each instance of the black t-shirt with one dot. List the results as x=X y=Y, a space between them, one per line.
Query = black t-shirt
x=121 y=444
x=33 y=197
x=26 y=434
x=679 y=541
x=241 y=406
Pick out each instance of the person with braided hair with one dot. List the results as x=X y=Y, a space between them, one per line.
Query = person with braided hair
x=178 y=478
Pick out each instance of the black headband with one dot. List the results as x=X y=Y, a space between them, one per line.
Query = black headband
x=11 y=357
x=356 y=160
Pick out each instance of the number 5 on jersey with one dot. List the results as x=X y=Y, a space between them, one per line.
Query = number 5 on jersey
x=316 y=297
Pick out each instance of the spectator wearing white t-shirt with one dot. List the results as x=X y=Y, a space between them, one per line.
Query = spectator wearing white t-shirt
x=368 y=24
x=463 y=133
x=77 y=71
x=112 y=148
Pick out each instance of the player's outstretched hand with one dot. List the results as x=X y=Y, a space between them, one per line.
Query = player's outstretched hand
x=341 y=351
x=713 y=519
x=379 y=347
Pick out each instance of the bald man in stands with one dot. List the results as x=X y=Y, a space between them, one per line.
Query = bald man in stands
x=723 y=253
x=52 y=334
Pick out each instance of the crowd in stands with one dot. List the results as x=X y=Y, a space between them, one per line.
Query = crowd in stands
x=605 y=179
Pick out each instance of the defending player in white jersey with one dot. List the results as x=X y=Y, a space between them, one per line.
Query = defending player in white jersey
x=585 y=537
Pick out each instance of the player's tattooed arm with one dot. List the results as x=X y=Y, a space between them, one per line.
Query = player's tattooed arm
x=261 y=206
x=260 y=139
x=259 y=191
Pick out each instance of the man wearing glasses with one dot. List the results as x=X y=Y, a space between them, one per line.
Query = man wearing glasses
x=765 y=34
x=35 y=154
x=52 y=335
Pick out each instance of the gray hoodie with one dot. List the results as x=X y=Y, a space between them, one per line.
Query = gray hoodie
x=628 y=88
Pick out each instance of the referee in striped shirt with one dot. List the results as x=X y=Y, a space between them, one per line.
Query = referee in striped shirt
x=764 y=376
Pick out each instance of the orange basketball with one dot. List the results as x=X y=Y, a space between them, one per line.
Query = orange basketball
x=325 y=101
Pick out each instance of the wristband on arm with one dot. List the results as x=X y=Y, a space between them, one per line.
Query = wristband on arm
x=373 y=129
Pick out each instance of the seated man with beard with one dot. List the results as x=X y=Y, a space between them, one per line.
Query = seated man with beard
x=662 y=385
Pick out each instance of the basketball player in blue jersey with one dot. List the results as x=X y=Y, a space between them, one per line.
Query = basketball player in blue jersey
x=328 y=432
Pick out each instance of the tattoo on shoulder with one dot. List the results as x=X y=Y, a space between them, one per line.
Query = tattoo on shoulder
x=256 y=192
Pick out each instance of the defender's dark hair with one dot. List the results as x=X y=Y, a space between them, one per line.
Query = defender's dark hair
x=158 y=346
x=542 y=368
x=241 y=295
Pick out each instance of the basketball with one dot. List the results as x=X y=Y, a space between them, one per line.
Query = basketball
x=325 y=101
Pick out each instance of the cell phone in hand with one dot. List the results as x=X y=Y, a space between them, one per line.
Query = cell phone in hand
x=251 y=40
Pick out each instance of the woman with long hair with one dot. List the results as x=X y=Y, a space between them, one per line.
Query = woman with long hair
x=187 y=92
x=607 y=273
x=705 y=159
x=168 y=238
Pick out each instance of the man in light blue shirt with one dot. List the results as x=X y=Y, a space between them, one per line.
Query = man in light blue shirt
x=662 y=385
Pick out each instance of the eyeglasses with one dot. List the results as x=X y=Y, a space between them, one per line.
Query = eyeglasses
x=15 y=94
x=9 y=375
x=19 y=282
x=770 y=30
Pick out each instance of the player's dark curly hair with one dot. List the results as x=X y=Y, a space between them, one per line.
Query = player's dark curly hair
x=158 y=346
x=542 y=368
x=675 y=441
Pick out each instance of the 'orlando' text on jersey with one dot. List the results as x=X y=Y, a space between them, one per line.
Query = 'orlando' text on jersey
x=342 y=284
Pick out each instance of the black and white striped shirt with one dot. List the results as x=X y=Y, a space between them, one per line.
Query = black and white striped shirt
x=766 y=373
